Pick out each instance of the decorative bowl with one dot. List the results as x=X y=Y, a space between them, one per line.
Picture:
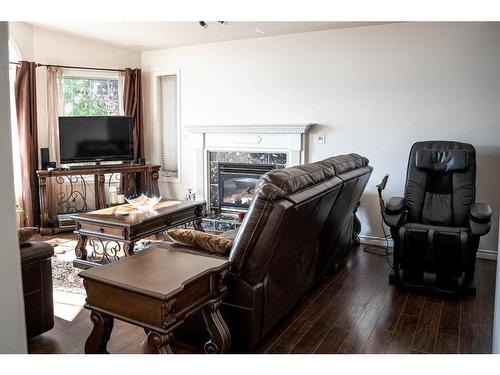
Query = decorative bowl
x=143 y=202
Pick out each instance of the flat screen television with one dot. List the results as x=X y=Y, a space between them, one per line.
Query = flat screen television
x=95 y=139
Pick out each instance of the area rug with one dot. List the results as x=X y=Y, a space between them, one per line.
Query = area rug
x=65 y=277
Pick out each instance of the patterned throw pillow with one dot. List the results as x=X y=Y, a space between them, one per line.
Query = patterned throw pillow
x=210 y=242
x=26 y=233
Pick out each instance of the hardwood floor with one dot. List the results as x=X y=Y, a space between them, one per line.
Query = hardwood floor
x=353 y=311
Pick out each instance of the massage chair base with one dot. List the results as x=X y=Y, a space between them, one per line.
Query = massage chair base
x=469 y=290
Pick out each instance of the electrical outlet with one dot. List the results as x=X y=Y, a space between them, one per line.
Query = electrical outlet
x=320 y=138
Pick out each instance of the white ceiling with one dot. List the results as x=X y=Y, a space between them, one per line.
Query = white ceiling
x=144 y=36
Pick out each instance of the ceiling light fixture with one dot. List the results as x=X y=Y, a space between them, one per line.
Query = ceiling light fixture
x=260 y=31
x=204 y=25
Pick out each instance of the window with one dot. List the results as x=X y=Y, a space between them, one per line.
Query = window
x=168 y=116
x=90 y=96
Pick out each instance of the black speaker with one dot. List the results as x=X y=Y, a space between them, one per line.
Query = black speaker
x=142 y=161
x=44 y=155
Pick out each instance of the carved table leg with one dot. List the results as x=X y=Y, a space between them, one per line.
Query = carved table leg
x=154 y=181
x=44 y=206
x=99 y=337
x=128 y=248
x=220 y=337
x=80 y=249
x=197 y=225
x=100 y=191
x=160 y=343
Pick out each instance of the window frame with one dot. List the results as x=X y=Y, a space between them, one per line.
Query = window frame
x=96 y=75
x=158 y=124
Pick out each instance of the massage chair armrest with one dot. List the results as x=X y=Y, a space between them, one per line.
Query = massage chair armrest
x=480 y=218
x=394 y=211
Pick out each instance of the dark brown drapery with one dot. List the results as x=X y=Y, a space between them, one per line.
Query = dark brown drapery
x=25 y=89
x=132 y=103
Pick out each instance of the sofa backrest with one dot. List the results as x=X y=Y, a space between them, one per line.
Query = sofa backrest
x=283 y=237
x=336 y=234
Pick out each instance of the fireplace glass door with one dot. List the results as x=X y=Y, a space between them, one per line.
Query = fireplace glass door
x=237 y=184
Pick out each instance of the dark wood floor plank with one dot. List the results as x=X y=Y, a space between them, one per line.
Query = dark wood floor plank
x=469 y=333
x=403 y=336
x=414 y=304
x=450 y=317
x=427 y=328
x=360 y=333
x=332 y=341
x=446 y=344
x=392 y=310
x=378 y=342
x=486 y=305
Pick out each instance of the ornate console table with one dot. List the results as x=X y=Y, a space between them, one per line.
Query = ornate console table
x=113 y=232
x=84 y=195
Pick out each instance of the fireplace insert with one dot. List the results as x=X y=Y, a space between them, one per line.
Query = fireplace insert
x=237 y=184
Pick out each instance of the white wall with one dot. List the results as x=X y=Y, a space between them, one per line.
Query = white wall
x=373 y=90
x=12 y=325
x=48 y=47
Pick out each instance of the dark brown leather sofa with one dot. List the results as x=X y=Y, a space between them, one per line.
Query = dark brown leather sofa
x=298 y=227
x=37 y=287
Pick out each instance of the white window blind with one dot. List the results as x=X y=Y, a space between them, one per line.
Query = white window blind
x=169 y=128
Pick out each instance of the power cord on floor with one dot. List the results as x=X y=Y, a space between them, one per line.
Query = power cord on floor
x=387 y=251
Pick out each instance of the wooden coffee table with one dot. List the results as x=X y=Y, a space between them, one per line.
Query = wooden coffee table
x=111 y=233
x=157 y=289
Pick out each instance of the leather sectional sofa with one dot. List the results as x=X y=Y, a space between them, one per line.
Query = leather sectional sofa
x=298 y=227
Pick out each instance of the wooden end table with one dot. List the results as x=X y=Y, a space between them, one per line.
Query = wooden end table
x=113 y=231
x=157 y=289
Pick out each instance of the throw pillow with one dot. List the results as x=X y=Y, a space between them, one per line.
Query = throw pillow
x=26 y=233
x=210 y=242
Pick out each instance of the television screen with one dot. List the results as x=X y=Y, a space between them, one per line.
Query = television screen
x=83 y=139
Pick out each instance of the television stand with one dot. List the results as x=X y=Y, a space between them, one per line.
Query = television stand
x=96 y=166
x=69 y=185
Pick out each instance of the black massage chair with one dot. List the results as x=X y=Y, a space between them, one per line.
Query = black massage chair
x=437 y=225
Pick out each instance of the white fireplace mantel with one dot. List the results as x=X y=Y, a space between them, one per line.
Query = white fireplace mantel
x=284 y=138
x=250 y=129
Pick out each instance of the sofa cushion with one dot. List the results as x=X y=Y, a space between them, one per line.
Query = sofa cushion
x=206 y=241
x=36 y=252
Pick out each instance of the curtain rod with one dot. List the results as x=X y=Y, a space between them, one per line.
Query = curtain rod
x=73 y=67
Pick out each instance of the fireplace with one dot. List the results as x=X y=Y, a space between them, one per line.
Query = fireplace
x=237 y=182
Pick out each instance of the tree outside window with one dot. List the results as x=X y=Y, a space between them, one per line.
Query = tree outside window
x=90 y=97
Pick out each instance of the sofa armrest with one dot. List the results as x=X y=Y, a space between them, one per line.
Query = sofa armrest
x=395 y=205
x=480 y=218
x=35 y=252
x=393 y=211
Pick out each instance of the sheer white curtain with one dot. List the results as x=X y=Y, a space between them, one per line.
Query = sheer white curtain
x=54 y=110
x=121 y=84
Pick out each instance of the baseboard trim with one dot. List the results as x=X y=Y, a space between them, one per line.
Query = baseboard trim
x=379 y=241
x=486 y=254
